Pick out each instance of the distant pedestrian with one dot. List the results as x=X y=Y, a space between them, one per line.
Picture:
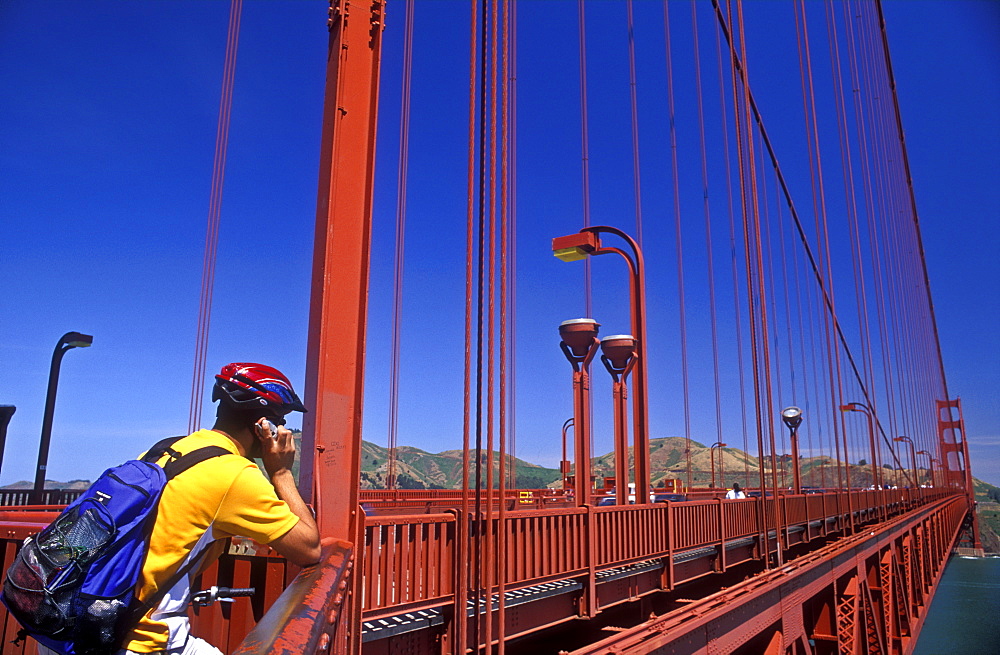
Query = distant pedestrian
x=735 y=492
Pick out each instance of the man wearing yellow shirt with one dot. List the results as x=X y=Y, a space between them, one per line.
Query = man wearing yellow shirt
x=222 y=497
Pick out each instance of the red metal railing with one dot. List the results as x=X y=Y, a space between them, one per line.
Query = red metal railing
x=408 y=561
x=551 y=544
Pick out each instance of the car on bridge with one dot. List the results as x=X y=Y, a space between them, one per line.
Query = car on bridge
x=673 y=498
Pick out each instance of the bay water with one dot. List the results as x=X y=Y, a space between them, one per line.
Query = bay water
x=964 y=617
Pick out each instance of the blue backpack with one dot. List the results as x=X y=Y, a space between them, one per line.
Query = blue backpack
x=72 y=586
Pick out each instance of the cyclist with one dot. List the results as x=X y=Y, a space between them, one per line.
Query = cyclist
x=224 y=497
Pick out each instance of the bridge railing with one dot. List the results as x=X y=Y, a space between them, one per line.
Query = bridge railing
x=408 y=561
x=560 y=543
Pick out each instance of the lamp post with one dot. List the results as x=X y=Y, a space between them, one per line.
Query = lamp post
x=564 y=463
x=930 y=464
x=579 y=344
x=619 y=357
x=792 y=418
x=67 y=342
x=913 y=459
x=711 y=452
x=876 y=470
x=866 y=410
x=6 y=411
x=584 y=243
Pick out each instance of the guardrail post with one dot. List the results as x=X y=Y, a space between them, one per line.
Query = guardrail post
x=722 y=535
x=667 y=576
x=588 y=601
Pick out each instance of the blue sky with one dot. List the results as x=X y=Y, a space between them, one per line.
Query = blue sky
x=107 y=125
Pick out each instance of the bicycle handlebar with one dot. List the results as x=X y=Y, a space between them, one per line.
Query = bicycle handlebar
x=224 y=594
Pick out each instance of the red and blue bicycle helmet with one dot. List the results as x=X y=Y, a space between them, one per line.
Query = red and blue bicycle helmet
x=255 y=387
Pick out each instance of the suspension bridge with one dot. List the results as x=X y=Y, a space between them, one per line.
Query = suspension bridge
x=768 y=294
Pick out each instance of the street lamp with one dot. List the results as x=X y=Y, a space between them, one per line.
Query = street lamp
x=587 y=242
x=930 y=464
x=792 y=418
x=579 y=344
x=711 y=452
x=68 y=341
x=913 y=459
x=6 y=411
x=619 y=357
x=866 y=410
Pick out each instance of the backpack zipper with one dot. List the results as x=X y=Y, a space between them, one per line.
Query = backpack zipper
x=128 y=484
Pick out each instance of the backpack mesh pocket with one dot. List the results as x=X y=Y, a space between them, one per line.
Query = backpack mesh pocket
x=100 y=623
x=76 y=537
x=40 y=584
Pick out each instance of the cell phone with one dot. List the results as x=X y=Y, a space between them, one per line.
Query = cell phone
x=268 y=428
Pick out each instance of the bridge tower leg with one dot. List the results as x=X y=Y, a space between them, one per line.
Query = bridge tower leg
x=956 y=468
x=331 y=457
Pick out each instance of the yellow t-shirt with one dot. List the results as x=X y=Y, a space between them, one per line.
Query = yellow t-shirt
x=221 y=497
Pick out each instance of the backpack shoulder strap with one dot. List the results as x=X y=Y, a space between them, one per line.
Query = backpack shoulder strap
x=160 y=448
x=179 y=463
x=177 y=466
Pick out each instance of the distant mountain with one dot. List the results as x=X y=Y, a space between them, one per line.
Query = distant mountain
x=418 y=469
x=668 y=460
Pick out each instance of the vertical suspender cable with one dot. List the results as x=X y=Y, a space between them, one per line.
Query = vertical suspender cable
x=468 y=554
x=819 y=202
x=635 y=124
x=490 y=325
x=678 y=239
x=708 y=229
x=397 y=308
x=214 y=212
x=504 y=277
x=743 y=140
x=480 y=210
x=732 y=255
x=585 y=154
x=510 y=195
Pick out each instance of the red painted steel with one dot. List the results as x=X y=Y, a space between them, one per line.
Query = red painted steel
x=579 y=344
x=303 y=618
x=954 y=454
x=546 y=545
x=640 y=401
x=331 y=458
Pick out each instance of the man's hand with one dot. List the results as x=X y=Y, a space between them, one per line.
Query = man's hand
x=300 y=545
x=278 y=452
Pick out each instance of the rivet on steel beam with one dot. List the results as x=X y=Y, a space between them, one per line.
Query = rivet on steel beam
x=324 y=643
